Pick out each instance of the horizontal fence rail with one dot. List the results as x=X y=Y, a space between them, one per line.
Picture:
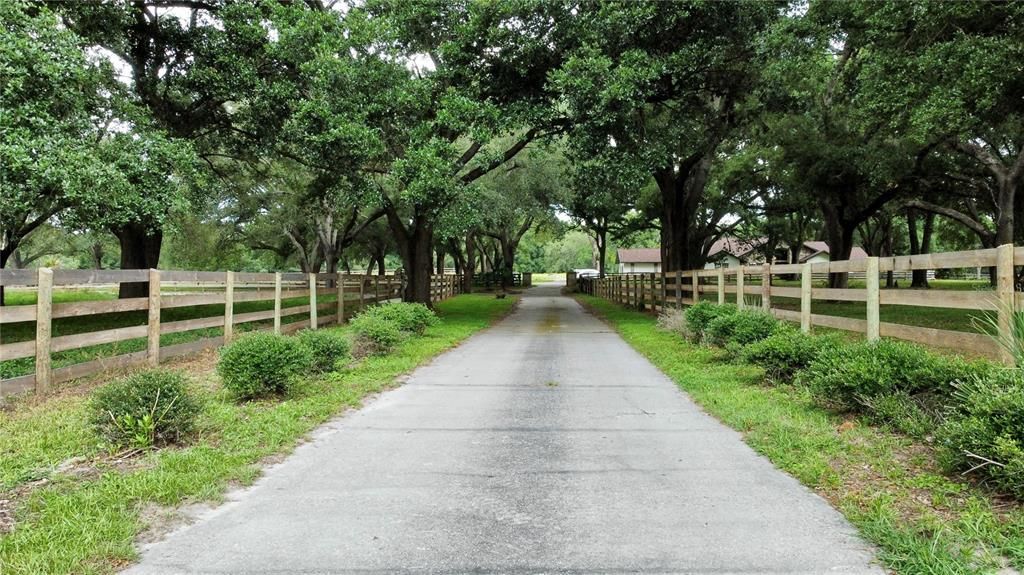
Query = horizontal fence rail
x=169 y=289
x=659 y=290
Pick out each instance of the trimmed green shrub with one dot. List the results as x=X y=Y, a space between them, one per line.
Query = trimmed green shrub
x=144 y=409
x=984 y=430
x=325 y=347
x=374 y=334
x=785 y=352
x=845 y=376
x=700 y=315
x=741 y=327
x=410 y=317
x=262 y=364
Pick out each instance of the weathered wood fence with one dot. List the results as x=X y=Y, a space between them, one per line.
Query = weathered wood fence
x=176 y=289
x=657 y=291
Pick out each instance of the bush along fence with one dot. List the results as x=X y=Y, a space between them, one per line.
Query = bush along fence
x=658 y=290
x=208 y=300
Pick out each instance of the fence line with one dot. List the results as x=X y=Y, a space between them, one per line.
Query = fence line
x=353 y=292
x=658 y=290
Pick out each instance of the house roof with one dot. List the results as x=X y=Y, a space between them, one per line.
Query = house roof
x=819 y=247
x=639 y=255
x=734 y=246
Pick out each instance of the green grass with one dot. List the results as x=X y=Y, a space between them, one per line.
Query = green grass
x=886 y=484
x=87 y=522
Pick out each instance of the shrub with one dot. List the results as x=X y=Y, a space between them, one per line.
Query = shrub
x=844 y=376
x=674 y=321
x=700 y=315
x=741 y=327
x=786 y=352
x=986 y=422
x=261 y=364
x=144 y=409
x=325 y=348
x=409 y=317
x=902 y=412
x=374 y=334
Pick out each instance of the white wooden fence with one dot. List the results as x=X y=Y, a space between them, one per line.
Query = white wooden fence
x=175 y=289
x=659 y=290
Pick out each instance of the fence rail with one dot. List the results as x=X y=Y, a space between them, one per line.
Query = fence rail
x=170 y=289
x=658 y=290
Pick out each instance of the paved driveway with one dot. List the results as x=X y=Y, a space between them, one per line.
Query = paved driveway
x=543 y=445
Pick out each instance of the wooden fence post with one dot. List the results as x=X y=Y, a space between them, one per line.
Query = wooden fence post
x=805 y=298
x=679 y=289
x=340 y=284
x=1004 y=292
x=721 y=285
x=153 y=325
x=277 y=302
x=229 y=306
x=362 y=286
x=871 y=283
x=766 y=287
x=44 y=307
x=654 y=292
x=312 y=301
x=696 y=287
x=739 y=287
x=664 y=292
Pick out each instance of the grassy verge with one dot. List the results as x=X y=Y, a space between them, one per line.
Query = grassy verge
x=79 y=509
x=886 y=484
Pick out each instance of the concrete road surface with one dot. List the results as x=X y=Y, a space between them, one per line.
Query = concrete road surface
x=543 y=445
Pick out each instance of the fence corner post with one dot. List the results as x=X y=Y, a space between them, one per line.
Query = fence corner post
x=721 y=285
x=739 y=287
x=312 y=301
x=340 y=285
x=805 y=298
x=153 y=325
x=696 y=287
x=1006 y=304
x=766 y=287
x=277 y=302
x=44 y=306
x=871 y=283
x=229 y=306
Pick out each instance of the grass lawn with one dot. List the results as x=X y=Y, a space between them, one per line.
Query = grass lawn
x=78 y=509
x=540 y=278
x=886 y=484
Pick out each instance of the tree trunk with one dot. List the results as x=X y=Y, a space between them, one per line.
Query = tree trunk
x=470 y=268
x=140 y=249
x=508 y=258
x=681 y=193
x=382 y=263
x=839 y=236
x=415 y=242
x=440 y=261
x=602 y=248
x=922 y=245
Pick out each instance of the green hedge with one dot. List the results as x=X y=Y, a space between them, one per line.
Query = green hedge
x=262 y=364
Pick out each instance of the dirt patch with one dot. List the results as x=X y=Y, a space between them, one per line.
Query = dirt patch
x=160 y=521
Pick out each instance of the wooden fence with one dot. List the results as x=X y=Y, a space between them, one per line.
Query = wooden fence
x=659 y=290
x=176 y=289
